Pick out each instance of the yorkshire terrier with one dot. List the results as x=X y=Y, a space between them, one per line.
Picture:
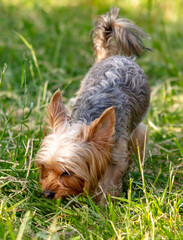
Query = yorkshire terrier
x=90 y=149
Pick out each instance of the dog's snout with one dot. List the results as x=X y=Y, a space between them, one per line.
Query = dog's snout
x=49 y=194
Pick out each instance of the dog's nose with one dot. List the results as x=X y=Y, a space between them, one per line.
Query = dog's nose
x=49 y=194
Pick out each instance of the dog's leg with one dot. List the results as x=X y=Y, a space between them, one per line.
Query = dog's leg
x=112 y=181
x=121 y=159
x=138 y=141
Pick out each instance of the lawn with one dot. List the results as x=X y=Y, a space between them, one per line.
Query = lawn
x=45 y=45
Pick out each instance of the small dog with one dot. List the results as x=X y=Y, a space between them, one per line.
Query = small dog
x=91 y=149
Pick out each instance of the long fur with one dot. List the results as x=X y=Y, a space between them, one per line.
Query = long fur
x=116 y=36
x=90 y=149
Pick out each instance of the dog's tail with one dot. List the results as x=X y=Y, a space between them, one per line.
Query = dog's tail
x=116 y=36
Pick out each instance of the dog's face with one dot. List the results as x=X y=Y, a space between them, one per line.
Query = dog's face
x=74 y=156
x=59 y=183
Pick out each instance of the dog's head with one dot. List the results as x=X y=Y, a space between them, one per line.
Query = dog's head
x=73 y=156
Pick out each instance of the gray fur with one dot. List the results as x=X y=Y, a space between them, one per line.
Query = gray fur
x=115 y=81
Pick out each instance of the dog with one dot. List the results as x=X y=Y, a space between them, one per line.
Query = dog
x=89 y=150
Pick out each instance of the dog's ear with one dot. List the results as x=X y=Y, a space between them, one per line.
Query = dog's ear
x=102 y=128
x=56 y=112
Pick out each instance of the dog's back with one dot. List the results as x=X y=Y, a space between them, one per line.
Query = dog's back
x=118 y=82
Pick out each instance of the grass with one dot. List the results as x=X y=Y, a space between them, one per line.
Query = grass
x=45 y=45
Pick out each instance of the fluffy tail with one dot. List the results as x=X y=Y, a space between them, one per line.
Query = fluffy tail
x=116 y=36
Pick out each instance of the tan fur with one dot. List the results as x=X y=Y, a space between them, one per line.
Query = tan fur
x=102 y=128
x=91 y=150
x=56 y=111
x=92 y=144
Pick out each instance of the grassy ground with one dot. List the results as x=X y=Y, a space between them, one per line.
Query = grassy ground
x=46 y=46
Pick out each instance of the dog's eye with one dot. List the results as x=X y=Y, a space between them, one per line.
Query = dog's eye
x=66 y=174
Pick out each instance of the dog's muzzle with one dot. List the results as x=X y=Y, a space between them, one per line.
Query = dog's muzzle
x=49 y=194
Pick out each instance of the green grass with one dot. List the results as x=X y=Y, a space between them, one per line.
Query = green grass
x=44 y=46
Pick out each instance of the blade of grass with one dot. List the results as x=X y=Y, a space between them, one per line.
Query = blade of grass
x=178 y=145
x=26 y=218
x=9 y=117
x=23 y=72
x=16 y=205
x=33 y=55
x=2 y=74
